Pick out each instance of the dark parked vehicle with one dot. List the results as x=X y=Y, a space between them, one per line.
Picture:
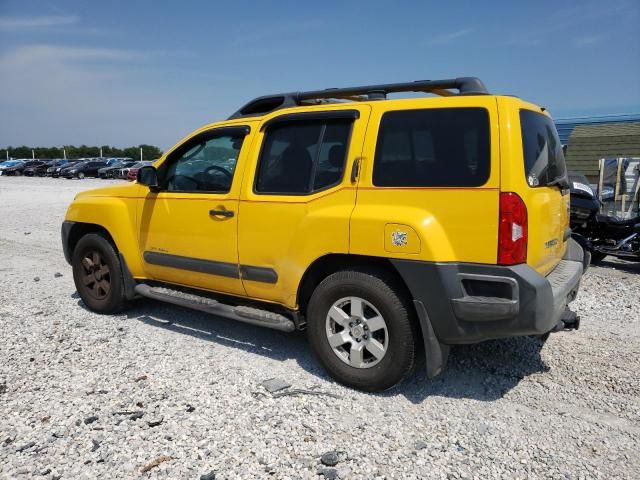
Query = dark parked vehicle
x=111 y=171
x=56 y=165
x=17 y=167
x=37 y=170
x=601 y=235
x=83 y=169
x=57 y=171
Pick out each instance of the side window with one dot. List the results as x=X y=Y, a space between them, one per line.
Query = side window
x=543 y=157
x=303 y=157
x=433 y=148
x=206 y=163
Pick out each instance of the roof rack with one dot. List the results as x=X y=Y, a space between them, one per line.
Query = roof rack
x=269 y=103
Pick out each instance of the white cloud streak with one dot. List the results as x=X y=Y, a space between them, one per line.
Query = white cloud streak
x=35 y=23
x=450 y=37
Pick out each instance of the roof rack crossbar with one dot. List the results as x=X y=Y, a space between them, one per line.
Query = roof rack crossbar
x=268 y=103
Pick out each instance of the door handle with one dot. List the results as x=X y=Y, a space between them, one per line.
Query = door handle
x=221 y=213
x=355 y=169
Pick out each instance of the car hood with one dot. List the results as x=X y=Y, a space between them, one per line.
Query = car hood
x=129 y=190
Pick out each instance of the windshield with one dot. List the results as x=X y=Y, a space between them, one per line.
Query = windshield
x=11 y=163
x=543 y=157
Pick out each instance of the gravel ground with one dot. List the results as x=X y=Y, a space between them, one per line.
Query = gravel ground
x=164 y=392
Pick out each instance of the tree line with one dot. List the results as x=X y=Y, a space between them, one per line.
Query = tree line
x=149 y=152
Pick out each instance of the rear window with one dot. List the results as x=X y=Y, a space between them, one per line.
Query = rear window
x=543 y=157
x=433 y=148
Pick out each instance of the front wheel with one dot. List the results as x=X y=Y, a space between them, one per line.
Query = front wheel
x=97 y=274
x=361 y=327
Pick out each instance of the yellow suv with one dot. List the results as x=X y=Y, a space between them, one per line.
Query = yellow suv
x=381 y=226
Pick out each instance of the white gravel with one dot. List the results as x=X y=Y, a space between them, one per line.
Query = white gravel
x=79 y=392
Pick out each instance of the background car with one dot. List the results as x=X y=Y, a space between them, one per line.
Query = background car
x=16 y=167
x=80 y=170
x=8 y=167
x=132 y=174
x=123 y=172
x=111 y=171
x=58 y=170
x=56 y=164
x=37 y=168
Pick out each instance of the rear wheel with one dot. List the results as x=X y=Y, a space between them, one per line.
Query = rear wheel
x=97 y=274
x=361 y=328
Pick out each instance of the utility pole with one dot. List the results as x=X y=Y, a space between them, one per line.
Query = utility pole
x=100 y=152
x=64 y=153
x=7 y=153
x=140 y=153
x=33 y=154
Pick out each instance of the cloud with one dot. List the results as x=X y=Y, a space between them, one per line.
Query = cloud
x=576 y=18
x=54 y=54
x=62 y=94
x=588 y=40
x=23 y=23
x=447 y=38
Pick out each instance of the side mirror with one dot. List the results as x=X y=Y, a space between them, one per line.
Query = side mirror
x=148 y=176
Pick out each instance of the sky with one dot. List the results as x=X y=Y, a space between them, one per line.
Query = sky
x=129 y=72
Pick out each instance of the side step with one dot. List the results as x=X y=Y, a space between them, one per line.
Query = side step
x=254 y=316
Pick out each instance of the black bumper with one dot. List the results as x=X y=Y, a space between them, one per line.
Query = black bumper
x=65 y=231
x=469 y=303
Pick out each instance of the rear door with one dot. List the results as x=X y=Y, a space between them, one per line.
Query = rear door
x=537 y=172
x=297 y=196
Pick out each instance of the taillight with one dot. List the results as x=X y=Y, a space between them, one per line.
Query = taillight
x=512 y=230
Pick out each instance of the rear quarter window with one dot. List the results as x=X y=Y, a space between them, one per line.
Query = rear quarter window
x=543 y=157
x=433 y=148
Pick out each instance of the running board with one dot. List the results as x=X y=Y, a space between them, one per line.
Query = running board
x=254 y=316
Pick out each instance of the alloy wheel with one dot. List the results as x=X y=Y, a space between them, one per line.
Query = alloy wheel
x=96 y=277
x=357 y=332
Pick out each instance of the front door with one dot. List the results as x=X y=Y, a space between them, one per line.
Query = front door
x=188 y=229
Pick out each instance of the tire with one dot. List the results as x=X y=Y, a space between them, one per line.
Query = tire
x=102 y=291
x=597 y=257
x=381 y=295
x=80 y=175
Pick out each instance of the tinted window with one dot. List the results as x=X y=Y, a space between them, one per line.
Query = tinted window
x=299 y=158
x=205 y=163
x=433 y=148
x=543 y=156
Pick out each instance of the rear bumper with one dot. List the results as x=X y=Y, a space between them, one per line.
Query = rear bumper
x=469 y=303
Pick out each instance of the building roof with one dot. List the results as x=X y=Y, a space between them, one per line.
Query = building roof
x=565 y=126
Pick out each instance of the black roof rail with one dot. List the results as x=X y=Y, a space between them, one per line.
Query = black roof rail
x=268 y=103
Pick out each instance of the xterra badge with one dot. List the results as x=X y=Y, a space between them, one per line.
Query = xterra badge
x=398 y=238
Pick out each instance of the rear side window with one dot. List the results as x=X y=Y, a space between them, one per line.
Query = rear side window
x=433 y=148
x=299 y=158
x=543 y=157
